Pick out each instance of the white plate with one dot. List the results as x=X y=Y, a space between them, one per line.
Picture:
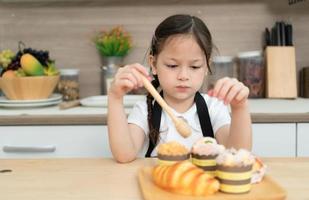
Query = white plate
x=54 y=97
x=30 y=105
x=101 y=101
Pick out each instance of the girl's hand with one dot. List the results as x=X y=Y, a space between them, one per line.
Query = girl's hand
x=231 y=91
x=126 y=79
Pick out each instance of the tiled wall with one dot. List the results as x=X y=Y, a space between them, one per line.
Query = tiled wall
x=65 y=29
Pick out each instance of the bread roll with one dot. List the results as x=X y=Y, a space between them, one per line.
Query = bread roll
x=185 y=178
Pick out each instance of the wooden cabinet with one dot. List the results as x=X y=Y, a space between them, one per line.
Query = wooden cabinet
x=53 y=141
x=275 y=139
x=303 y=139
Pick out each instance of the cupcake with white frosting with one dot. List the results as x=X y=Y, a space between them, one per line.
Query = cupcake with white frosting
x=204 y=153
x=234 y=170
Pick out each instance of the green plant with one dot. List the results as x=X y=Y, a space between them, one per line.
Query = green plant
x=115 y=42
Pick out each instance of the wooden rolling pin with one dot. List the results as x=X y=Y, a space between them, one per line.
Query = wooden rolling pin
x=69 y=104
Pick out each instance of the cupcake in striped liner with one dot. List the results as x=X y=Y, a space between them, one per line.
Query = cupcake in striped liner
x=258 y=171
x=234 y=171
x=204 y=153
x=172 y=152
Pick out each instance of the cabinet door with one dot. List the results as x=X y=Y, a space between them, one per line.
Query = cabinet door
x=303 y=139
x=274 y=140
x=53 y=141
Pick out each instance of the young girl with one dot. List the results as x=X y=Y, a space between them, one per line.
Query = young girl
x=179 y=59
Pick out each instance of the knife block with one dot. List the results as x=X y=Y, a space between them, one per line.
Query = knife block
x=281 y=72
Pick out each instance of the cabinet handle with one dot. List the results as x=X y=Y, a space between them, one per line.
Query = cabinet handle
x=28 y=149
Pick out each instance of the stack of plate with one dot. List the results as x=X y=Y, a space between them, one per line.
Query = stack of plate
x=52 y=100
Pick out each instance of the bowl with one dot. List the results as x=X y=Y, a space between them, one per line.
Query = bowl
x=29 y=87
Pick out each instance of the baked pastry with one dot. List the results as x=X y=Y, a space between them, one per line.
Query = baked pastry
x=171 y=152
x=204 y=153
x=258 y=171
x=234 y=171
x=185 y=178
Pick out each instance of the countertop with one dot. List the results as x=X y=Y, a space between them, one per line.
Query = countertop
x=262 y=111
x=97 y=179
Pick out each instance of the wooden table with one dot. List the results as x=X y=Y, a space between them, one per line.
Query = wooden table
x=98 y=179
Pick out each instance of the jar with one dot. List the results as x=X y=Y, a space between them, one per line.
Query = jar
x=68 y=84
x=251 y=71
x=221 y=66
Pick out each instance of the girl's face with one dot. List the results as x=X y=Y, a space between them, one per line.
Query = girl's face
x=181 y=67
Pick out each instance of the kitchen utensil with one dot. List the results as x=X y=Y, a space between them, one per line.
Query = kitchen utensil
x=282 y=33
x=181 y=126
x=289 y=34
x=267 y=37
x=69 y=104
x=278 y=36
x=273 y=37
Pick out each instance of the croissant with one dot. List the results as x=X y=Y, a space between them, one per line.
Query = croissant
x=185 y=178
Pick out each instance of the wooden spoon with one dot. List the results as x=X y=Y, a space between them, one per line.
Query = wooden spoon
x=181 y=126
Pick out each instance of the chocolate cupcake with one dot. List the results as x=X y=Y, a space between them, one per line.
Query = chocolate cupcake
x=204 y=153
x=172 y=152
x=234 y=171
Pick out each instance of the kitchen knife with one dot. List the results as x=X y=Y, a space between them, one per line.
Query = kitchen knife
x=267 y=37
x=282 y=33
x=273 y=36
x=278 y=37
x=289 y=34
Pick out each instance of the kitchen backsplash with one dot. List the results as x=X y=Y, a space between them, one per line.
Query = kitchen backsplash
x=66 y=29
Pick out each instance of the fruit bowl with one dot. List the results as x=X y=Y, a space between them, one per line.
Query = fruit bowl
x=28 y=87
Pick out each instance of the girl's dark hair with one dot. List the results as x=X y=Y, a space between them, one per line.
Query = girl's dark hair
x=171 y=26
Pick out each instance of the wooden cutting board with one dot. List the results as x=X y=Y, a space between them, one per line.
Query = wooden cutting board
x=266 y=190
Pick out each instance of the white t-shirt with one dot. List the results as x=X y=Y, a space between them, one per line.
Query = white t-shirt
x=218 y=112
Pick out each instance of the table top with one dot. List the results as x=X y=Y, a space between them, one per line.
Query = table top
x=80 y=179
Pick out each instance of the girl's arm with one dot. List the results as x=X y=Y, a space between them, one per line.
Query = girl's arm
x=239 y=133
x=125 y=139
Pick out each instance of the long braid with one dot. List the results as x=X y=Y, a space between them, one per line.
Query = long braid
x=153 y=133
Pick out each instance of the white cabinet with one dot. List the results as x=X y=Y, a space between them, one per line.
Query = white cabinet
x=53 y=141
x=275 y=139
x=303 y=139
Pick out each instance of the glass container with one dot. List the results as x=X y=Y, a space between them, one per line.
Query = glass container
x=68 y=84
x=251 y=71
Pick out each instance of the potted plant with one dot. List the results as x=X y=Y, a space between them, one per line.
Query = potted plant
x=113 y=45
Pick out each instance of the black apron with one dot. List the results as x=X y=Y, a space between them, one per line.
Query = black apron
x=202 y=112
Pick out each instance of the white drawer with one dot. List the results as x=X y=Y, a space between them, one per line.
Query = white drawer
x=302 y=139
x=53 y=141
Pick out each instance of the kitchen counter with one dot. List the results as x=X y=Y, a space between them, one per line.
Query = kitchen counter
x=262 y=111
x=65 y=179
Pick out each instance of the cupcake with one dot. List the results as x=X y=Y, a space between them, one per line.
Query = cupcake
x=204 y=153
x=258 y=171
x=234 y=171
x=171 y=152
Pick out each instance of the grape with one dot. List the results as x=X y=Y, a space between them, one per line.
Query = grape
x=42 y=56
x=6 y=58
